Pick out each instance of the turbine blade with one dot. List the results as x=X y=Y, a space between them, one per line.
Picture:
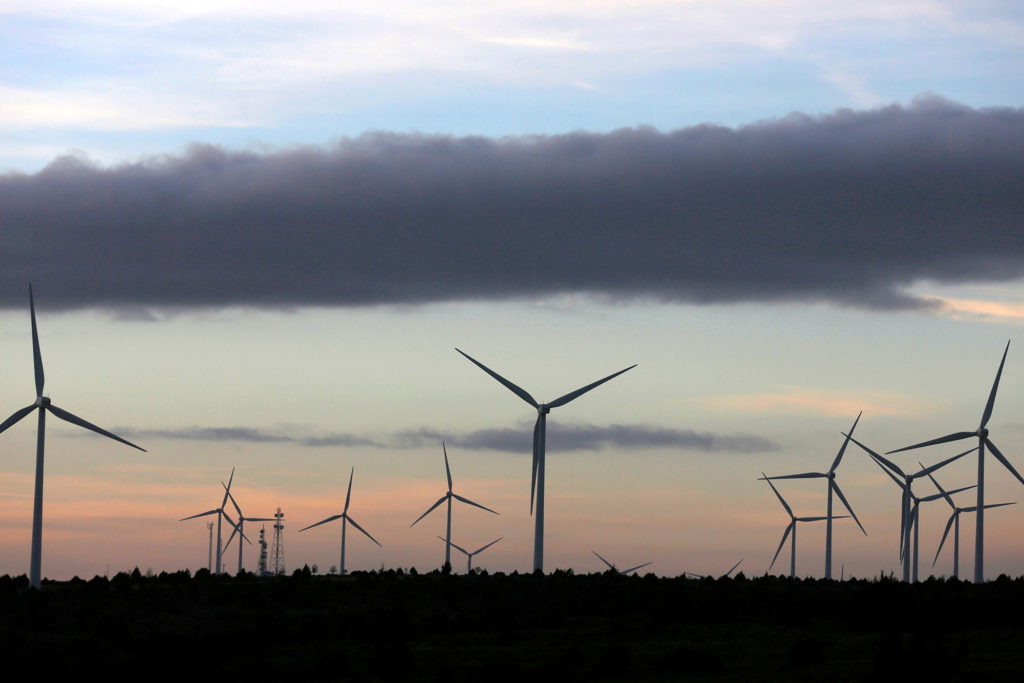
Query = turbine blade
x=480 y=550
x=942 y=439
x=846 y=442
x=820 y=519
x=997 y=505
x=882 y=462
x=37 y=356
x=233 y=532
x=803 y=475
x=936 y=496
x=789 y=528
x=68 y=417
x=367 y=533
x=348 y=496
x=941 y=490
x=903 y=519
x=469 y=502
x=778 y=495
x=232 y=499
x=227 y=488
x=518 y=391
x=633 y=569
x=835 y=487
x=18 y=415
x=929 y=470
x=431 y=508
x=1002 y=459
x=447 y=469
x=536 y=460
x=610 y=565
x=726 y=575
x=459 y=548
x=323 y=521
x=945 y=533
x=201 y=514
x=572 y=395
x=992 y=394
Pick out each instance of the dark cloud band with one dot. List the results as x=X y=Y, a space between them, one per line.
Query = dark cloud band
x=848 y=208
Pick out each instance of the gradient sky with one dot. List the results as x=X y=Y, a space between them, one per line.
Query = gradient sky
x=256 y=233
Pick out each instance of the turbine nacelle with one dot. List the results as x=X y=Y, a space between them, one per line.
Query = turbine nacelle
x=543 y=409
x=982 y=433
x=43 y=401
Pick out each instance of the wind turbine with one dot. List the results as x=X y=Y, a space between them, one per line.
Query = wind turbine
x=790 y=528
x=623 y=572
x=708 y=576
x=832 y=486
x=906 y=520
x=448 y=497
x=982 y=434
x=43 y=404
x=240 y=529
x=220 y=515
x=345 y=521
x=954 y=521
x=469 y=555
x=539 y=432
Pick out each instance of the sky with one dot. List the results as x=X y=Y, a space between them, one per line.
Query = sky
x=256 y=234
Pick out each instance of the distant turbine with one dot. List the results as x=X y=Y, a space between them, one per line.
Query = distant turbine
x=539 y=437
x=240 y=529
x=469 y=555
x=448 y=497
x=982 y=434
x=624 y=572
x=832 y=486
x=790 y=528
x=694 y=575
x=954 y=520
x=345 y=521
x=220 y=515
x=906 y=520
x=43 y=404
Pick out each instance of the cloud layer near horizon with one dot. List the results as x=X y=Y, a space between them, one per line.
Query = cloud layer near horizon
x=848 y=208
x=574 y=437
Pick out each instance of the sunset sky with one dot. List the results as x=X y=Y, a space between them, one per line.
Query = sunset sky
x=256 y=232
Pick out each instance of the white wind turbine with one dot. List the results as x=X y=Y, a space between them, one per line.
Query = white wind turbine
x=240 y=529
x=469 y=555
x=982 y=435
x=539 y=432
x=790 y=528
x=221 y=515
x=832 y=486
x=907 y=515
x=623 y=572
x=345 y=521
x=448 y=497
x=954 y=521
x=43 y=404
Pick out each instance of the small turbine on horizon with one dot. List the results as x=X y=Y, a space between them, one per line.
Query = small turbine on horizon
x=448 y=497
x=790 y=528
x=539 y=438
x=345 y=520
x=221 y=515
x=623 y=572
x=469 y=555
x=240 y=529
x=43 y=404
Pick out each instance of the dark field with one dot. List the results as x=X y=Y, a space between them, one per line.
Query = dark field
x=434 y=627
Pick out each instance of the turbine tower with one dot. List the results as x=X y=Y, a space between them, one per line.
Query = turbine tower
x=43 y=404
x=345 y=521
x=539 y=432
x=832 y=486
x=982 y=434
x=242 y=519
x=448 y=497
x=790 y=528
x=623 y=572
x=469 y=555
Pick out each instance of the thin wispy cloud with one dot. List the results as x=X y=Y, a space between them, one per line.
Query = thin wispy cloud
x=817 y=402
x=980 y=310
x=572 y=437
x=850 y=209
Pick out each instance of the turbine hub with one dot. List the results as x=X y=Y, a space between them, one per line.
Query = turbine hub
x=831 y=475
x=43 y=401
x=982 y=433
x=543 y=409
